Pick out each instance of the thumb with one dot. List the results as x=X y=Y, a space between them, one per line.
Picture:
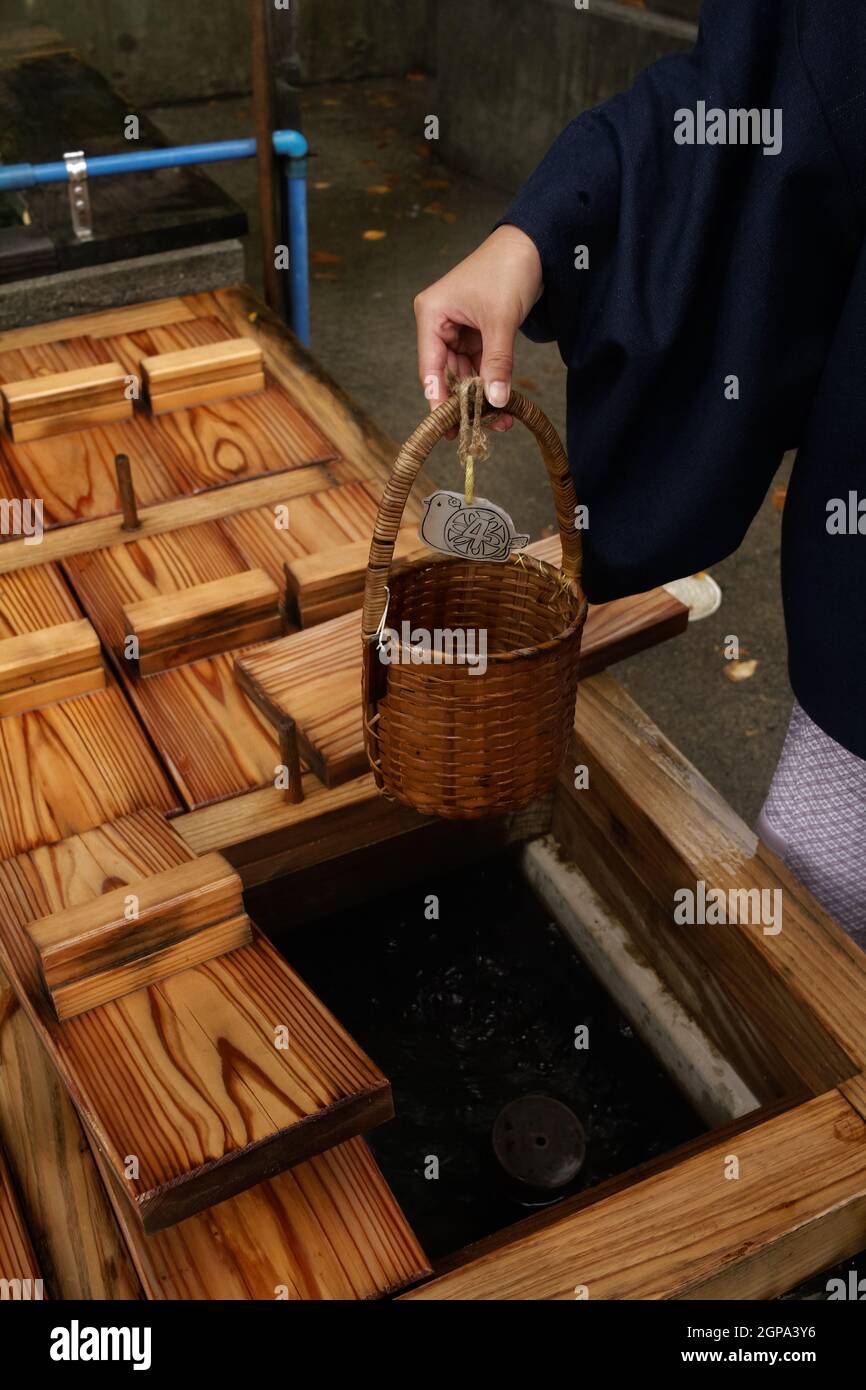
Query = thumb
x=497 y=354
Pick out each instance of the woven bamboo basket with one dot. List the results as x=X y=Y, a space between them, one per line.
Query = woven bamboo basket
x=440 y=738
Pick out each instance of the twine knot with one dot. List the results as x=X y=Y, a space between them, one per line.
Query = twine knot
x=472 y=445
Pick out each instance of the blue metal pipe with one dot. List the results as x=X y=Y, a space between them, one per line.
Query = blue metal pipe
x=16 y=176
x=290 y=144
x=296 y=197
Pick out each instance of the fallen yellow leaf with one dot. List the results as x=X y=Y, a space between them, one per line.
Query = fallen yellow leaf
x=740 y=670
x=779 y=495
x=379 y=188
x=373 y=236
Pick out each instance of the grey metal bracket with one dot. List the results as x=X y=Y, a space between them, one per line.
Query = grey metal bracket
x=79 y=194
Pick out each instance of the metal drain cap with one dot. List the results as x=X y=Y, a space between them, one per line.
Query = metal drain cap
x=539 y=1142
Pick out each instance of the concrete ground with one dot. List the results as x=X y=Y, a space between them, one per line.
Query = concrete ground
x=374 y=173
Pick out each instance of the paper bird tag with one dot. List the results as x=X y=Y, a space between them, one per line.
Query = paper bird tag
x=477 y=530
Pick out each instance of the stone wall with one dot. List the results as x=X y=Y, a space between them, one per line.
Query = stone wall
x=523 y=68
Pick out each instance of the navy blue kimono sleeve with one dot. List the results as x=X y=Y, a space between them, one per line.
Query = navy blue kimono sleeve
x=717 y=273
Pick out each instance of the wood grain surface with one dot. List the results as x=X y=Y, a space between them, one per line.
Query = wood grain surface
x=65 y=768
x=327 y=1229
x=75 y=473
x=17 y=1256
x=274 y=536
x=60 y=543
x=195 y=375
x=314 y=678
x=330 y=581
x=213 y=740
x=97 y=951
x=40 y=359
x=46 y=405
x=209 y=617
x=33 y=599
x=208 y=362
x=186 y=1076
x=80 y=1249
x=188 y=451
x=101 y=324
x=61 y=649
x=211 y=445
x=152 y=340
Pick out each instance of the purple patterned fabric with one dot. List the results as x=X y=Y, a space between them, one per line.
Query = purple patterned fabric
x=814 y=818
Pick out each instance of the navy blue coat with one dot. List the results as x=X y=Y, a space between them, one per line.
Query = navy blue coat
x=713 y=261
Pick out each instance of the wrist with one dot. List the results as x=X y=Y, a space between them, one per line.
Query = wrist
x=523 y=251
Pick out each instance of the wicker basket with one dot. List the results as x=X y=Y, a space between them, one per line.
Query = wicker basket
x=439 y=737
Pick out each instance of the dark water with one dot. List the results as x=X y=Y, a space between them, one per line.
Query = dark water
x=464 y=1014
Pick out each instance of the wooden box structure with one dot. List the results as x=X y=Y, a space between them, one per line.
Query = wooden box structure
x=243 y=1100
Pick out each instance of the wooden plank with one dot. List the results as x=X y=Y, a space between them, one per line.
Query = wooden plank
x=130 y=347
x=80 y=1250
x=64 y=768
x=264 y=836
x=210 y=372
x=214 y=741
x=101 y=324
x=326 y=1229
x=691 y=1231
x=75 y=474
x=330 y=582
x=208 y=447
x=200 y=365
x=59 y=650
x=97 y=951
x=222 y=442
x=33 y=599
x=313 y=677
x=47 y=405
x=186 y=1075
x=273 y=536
x=149 y=572
x=17 y=1257
x=791 y=1000
x=329 y=1228
x=48 y=426
x=225 y=640
x=53 y=691
x=47 y=359
x=206 y=393
x=105 y=531
x=232 y=611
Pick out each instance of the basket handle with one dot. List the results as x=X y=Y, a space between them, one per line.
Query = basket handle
x=407 y=466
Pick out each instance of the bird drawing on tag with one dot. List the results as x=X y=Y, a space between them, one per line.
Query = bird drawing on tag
x=477 y=530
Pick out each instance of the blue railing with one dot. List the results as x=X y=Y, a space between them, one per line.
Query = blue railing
x=289 y=144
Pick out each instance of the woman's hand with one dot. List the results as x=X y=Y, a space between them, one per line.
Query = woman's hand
x=469 y=319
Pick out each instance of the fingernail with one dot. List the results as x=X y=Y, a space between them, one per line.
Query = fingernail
x=498 y=393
